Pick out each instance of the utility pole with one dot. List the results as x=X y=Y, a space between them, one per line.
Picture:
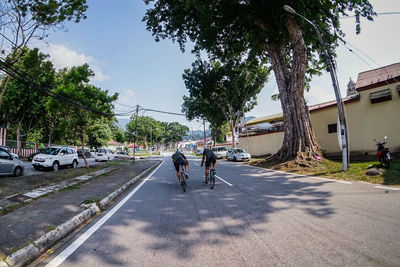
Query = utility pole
x=151 y=141
x=342 y=125
x=134 y=137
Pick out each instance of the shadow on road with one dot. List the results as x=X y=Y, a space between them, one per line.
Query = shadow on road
x=166 y=220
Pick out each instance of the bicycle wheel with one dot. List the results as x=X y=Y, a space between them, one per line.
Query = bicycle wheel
x=183 y=180
x=212 y=179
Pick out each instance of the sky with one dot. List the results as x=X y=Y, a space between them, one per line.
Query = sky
x=114 y=41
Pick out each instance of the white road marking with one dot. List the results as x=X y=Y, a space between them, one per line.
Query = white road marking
x=219 y=178
x=300 y=175
x=77 y=243
x=223 y=180
x=389 y=188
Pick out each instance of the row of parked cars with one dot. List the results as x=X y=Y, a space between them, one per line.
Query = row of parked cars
x=235 y=154
x=53 y=157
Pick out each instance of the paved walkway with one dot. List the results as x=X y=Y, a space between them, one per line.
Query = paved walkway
x=31 y=221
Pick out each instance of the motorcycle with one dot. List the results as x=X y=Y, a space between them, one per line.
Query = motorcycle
x=383 y=153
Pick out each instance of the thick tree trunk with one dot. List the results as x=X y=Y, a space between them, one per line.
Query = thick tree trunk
x=232 y=125
x=18 y=133
x=83 y=152
x=299 y=140
x=4 y=88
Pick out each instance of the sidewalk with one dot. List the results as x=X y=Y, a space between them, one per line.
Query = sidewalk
x=32 y=220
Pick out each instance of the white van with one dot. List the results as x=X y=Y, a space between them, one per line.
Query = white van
x=104 y=154
x=219 y=151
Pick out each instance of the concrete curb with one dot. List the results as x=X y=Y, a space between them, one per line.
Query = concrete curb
x=26 y=255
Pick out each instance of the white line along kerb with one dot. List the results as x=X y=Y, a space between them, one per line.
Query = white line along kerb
x=77 y=243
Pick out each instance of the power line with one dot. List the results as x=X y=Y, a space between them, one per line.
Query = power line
x=23 y=77
x=160 y=111
x=380 y=13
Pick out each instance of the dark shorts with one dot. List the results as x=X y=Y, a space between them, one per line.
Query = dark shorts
x=210 y=160
x=178 y=162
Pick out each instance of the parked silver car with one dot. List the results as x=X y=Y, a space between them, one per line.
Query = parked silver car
x=10 y=165
x=237 y=154
x=6 y=148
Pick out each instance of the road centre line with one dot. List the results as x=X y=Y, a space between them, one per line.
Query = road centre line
x=218 y=177
x=388 y=188
x=78 y=242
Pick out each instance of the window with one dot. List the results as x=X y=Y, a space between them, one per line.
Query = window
x=381 y=96
x=398 y=89
x=332 y=128
x=4 y=155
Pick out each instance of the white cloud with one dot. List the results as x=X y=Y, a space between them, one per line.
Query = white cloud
x=63 y=57
x=318 y=95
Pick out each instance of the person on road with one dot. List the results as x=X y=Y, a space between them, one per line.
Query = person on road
x=210 y=158
x=178 y=158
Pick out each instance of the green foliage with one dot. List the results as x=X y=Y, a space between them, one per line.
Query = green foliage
x=159 y=132
x=219 y=133
x=23 y=103
x=51 y=12
x=80 y=123
x=118 y=134
x=35 y=136
x=233 y=27
x=261 y=29
x=223 y=92
x=174 y=132
x=99 y=132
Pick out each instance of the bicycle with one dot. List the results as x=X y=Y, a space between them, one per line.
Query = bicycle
x=211 y=176
x=183 y=177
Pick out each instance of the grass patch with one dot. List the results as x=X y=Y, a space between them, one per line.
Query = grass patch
x=15 y=249
x=70 y=188
x=90 y=201
x=334 y=170
x=51 y=228
x=11 y=208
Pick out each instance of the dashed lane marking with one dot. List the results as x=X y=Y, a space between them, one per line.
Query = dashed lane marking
x=219 y=178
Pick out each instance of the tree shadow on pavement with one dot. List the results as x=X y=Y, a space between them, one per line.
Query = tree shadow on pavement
x=161 y=221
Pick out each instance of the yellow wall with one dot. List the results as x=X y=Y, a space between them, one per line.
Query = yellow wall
x=262 y=144
x=365 y=122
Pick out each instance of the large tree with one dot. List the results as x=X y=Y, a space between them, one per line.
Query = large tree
x=23 y=103
x=224 y=28
x=24 y=20
x=223 y=92
x=91 y=103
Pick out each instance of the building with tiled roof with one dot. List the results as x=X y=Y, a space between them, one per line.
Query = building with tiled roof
x=372 y=109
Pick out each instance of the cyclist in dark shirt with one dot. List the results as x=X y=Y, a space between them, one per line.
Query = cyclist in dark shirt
x=210 y=157
x=178 y=158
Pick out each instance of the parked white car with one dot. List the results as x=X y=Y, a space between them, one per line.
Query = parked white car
x=54 y=157
x=104 y=154
x=219 y=151
x=237 y=154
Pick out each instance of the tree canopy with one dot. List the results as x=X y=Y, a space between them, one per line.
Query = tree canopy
x=225 y=29
x=223 y=92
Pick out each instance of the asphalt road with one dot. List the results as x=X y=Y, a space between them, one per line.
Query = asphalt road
x=255 y=217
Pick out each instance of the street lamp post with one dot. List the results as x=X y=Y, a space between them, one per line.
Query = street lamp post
x=342 y=129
